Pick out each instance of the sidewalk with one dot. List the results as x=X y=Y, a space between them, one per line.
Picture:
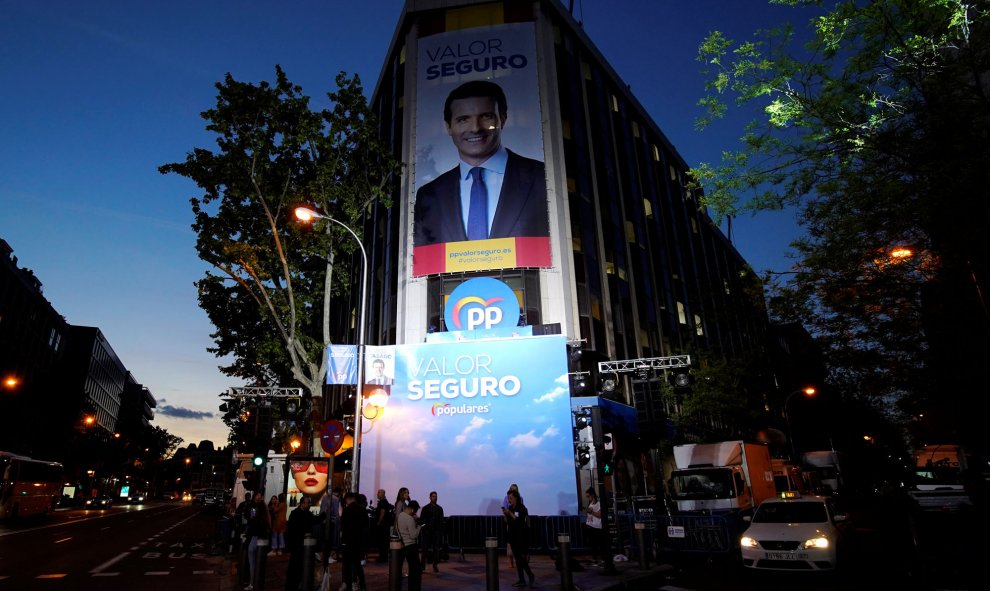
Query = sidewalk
x=466 y=575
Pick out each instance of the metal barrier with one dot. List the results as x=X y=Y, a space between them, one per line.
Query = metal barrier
x=572 y=525
x=701 y=533
x=469 y=533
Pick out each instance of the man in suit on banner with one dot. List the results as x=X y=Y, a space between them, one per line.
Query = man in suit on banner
x=492 y=192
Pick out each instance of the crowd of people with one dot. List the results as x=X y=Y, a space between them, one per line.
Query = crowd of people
x=346 y=528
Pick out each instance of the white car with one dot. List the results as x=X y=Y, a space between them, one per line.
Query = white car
x=792 y=533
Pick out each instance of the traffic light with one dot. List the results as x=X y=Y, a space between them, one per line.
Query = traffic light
x=583 y=455
x=260 y=457
x=262 y=434
x=608 y=464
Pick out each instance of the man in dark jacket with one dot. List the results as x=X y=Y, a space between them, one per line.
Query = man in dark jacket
x=259 y=527
x=301 y=522
x=354 y=533
x=431 y=516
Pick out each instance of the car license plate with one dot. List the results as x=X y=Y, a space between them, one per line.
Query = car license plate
x=786 y=556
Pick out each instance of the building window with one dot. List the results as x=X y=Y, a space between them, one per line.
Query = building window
x=647 y=208
x=615 y=103
x=698 y=328
x=681 y=313
x=656 y=153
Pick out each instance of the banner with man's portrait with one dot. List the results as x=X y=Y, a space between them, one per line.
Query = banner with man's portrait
x=481 y=197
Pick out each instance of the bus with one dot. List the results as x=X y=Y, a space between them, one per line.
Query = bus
x=28 y=487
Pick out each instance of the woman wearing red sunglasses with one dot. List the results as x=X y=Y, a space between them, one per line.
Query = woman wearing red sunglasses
x=311 y=476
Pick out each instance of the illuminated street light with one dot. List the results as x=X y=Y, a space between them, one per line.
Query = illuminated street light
x=11 y=382
x=808 y=391
x=307 y=215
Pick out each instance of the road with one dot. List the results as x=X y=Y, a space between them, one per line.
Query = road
x=163 y=546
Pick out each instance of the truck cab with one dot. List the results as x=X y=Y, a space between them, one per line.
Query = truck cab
x=709 y=488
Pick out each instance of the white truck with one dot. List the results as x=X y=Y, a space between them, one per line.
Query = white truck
x=721 y=477
x=828 y=466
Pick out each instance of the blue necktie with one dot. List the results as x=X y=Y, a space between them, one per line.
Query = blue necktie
x=477 y=226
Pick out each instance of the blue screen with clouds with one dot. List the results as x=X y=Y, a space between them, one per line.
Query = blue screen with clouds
x=467 y=419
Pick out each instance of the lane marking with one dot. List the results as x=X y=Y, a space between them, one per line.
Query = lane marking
x=204 y=572
x=53 y=576
x=104 y=528
x=109 y=562
x=155 y=573
x=63 y=540
x=86 y=517
x=105 y=574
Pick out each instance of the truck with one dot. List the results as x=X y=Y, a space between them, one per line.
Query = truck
x=937 y=484
x=787 y=476
x=721 y=477
x=828 y=466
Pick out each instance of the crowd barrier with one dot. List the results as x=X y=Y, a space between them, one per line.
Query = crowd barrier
x=467 y=533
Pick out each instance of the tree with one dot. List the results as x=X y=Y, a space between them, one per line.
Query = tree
x=877 y=129
x=272 y=296
x=725 y=398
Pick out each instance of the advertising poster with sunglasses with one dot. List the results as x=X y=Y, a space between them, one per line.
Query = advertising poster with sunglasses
x=310 y=478
x=467 y=419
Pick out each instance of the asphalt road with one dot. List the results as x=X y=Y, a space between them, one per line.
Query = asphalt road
x=163 y=546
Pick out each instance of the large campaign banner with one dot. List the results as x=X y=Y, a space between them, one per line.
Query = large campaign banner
x=481 y=197
x=468 y=419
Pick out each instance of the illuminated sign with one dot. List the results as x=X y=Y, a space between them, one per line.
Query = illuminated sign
x=470 y=418
x=482 y=303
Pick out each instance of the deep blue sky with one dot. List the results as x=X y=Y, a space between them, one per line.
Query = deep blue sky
x=97 y=94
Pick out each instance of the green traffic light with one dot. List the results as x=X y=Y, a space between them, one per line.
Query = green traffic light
x=258 y=460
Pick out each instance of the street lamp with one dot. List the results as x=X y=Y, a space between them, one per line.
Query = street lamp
x=306 y=215
x=808 y=391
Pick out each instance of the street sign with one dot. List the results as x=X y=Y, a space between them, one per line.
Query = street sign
x=332 y=436
x=675 y=531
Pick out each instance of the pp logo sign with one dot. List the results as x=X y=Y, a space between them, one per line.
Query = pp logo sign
x=482 y=303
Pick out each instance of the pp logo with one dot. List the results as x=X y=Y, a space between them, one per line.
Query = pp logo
x=481 y=303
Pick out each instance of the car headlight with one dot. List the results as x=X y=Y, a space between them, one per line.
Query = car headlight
x=748 y=542
x=819 y=542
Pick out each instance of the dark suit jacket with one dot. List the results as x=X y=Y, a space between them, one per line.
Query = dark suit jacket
x=522 y=205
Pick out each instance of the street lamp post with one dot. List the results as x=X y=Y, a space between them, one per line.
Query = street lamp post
x=809 y=392
x=305 y=214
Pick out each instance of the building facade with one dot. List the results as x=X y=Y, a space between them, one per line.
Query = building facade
x=628 y=265
x=33 y=339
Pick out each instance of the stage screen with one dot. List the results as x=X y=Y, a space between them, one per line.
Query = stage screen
x=468 y=419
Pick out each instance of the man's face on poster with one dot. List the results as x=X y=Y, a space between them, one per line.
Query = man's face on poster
x=475 y=128
x=379 y=366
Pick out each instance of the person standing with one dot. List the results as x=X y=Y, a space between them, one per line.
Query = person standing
x=593 y=524
x=400 y=501
x=259 y=527
x=383 y=525
x=518 y=522
x=300 y=523
x=330 y=512
x=280 y=514
x=354 y=533
x=505 y=503
x=408 y=530
x=432 y=519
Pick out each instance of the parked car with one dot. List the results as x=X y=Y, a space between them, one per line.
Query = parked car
x=792 y=532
